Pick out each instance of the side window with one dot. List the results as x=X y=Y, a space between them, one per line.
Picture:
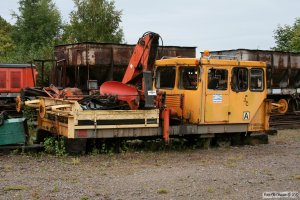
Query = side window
x=188 y=78
x=217 y=79
x=165 y=77
x=239 y=81
x=256 y=80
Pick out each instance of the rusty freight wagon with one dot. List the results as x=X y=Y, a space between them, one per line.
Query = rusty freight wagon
x=283 y=73
x=88 y=65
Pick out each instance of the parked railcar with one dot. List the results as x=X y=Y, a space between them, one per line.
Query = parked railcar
x=198 y=95
x=87 y=65
x=283 y=72
x=14 y=77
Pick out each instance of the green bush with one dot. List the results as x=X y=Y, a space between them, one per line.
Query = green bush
x=55 y=146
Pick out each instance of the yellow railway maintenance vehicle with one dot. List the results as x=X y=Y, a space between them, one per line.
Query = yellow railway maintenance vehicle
x=171 y=97
x=202 y=97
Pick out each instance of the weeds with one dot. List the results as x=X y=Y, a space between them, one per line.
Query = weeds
x=210 y=190
x=7 y=168
x=55 y=146
x=267 y=172
x=297 y=177
x=85 y=198
x=15 y=152
x=30 y=115
x=162 y=191
x=55 y=188
x=232 y=161
x=14 y=187
x=75 y=161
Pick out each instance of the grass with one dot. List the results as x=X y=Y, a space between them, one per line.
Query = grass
x=232 y=161
x=210 y=190
x=162 y=191
x=14 y=187
x=75 y=161
x=7 y=168
x=55 y=188
x=267 y=172
x=297 y=177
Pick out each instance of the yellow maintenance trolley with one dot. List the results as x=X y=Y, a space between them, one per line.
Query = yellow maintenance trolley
x=204 y=96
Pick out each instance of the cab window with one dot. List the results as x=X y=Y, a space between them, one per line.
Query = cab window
x=239 y=81
x=217 y=79
x=256 y=80
x=188 y=78
x=165 y=77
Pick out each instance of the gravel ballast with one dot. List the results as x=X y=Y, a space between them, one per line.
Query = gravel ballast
x=243 y=172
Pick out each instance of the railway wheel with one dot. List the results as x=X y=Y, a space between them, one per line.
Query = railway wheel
x=283 y=106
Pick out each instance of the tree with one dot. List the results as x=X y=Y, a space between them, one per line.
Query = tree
x=6 y=44
x=37 y=28
x=287 y=38
x=94 y=20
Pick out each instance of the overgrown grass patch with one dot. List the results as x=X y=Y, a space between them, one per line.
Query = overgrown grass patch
x=14 y=187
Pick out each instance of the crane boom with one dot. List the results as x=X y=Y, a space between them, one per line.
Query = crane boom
x=138 y=74
x=143 y=57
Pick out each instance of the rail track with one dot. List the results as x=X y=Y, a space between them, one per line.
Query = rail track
x=285 y=121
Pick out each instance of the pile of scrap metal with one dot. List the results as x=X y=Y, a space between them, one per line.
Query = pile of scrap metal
x=87 y=102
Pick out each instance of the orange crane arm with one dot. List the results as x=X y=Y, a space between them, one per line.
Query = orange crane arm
x=143 y=57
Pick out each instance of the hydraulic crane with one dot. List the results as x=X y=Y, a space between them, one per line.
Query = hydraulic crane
x=136 y=86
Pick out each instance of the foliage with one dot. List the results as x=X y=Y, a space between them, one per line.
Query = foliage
x=287 y=38
x=6 y=43
x=94 y=20
x=55 y=146
x=37 y=29
x=30 y=115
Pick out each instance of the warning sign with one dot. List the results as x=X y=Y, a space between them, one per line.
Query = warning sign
x=246 y=115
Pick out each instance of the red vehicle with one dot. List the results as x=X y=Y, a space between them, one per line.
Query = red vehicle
x=14 y=77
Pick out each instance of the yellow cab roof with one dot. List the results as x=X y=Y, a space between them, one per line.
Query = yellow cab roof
x=206 y=61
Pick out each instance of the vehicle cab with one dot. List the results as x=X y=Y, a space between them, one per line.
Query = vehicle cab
x=214 y=91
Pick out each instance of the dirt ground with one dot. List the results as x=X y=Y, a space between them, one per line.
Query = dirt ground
x=218 y=173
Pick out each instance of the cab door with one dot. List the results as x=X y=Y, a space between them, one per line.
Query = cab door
x=247 y=92
x=216 y=95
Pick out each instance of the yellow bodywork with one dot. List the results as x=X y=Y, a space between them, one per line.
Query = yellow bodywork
x=203 y=106
x=209 y=95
